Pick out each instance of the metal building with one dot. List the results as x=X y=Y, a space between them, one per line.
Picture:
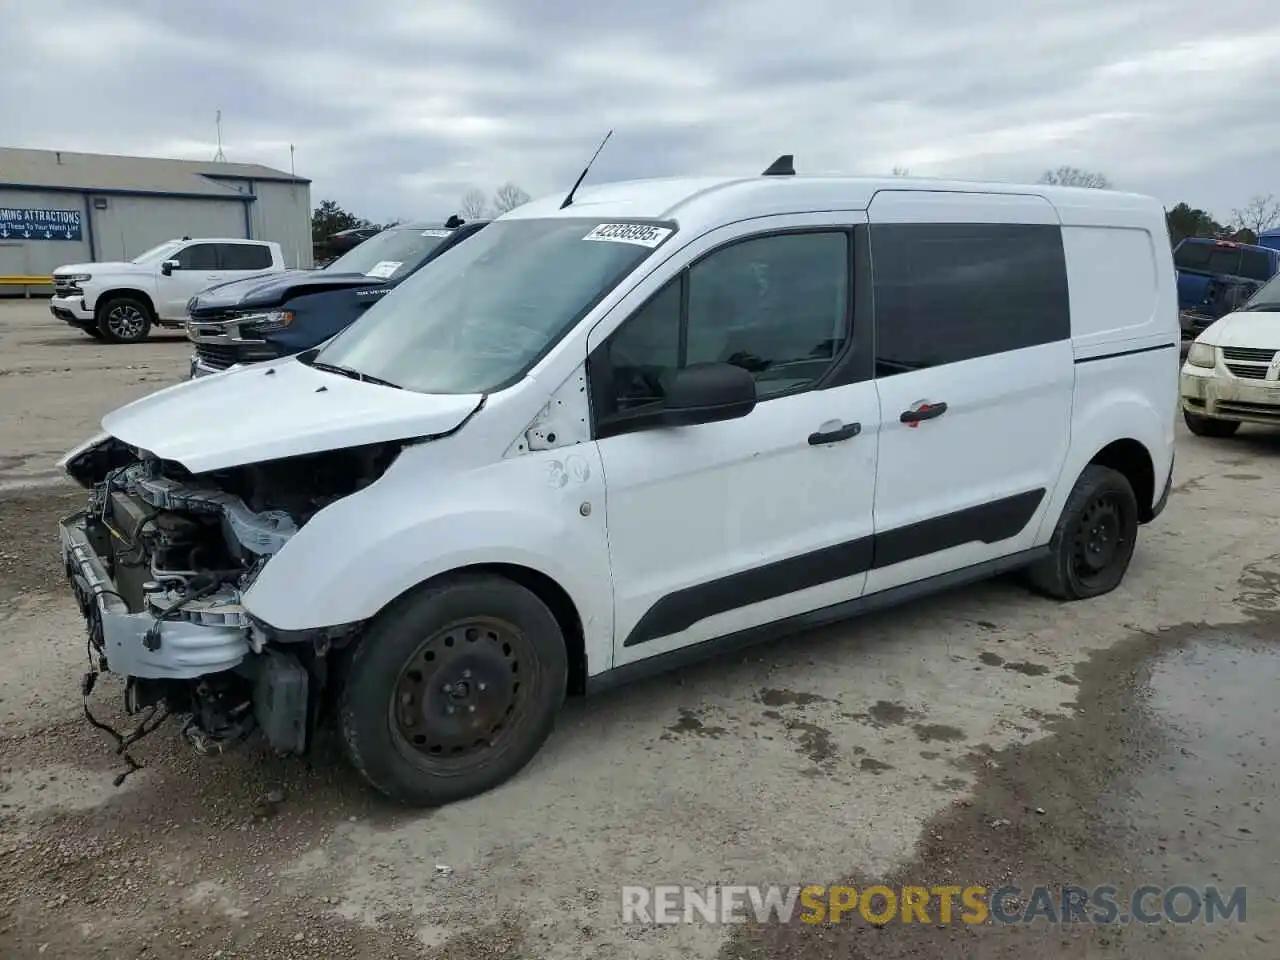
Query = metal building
x=58 y=207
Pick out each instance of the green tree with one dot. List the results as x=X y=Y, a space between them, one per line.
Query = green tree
x=1185 y=221
x=329 y=218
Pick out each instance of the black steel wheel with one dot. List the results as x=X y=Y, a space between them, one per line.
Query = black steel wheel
x=461 y=694
x=1093 y=541
x=453 y=690
x=124 y=320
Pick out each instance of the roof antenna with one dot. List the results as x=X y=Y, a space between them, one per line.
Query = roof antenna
x=574 y=189
x=784 y=166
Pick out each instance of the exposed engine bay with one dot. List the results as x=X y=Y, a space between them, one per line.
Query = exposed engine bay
x=159 y=560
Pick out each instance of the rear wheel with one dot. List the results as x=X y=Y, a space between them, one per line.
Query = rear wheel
x=453 y=690
x=1094 y=539
x=124 y=320
x=1203 y=426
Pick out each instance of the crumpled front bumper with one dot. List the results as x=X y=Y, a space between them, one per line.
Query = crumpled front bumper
x=141 y=644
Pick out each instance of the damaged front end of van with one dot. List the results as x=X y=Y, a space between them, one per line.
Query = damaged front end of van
x=183 y=513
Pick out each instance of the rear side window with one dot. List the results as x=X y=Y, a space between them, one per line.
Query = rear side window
x=1255 y=265
x=244 y=256
x=1207 y=258
x=947 y=292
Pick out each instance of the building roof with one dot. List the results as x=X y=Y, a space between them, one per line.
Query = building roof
x=64 y=170
x=698 y=202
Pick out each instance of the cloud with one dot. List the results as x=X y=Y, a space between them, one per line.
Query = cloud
x=396 y=108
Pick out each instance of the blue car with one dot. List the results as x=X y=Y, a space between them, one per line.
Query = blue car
x=1216 y=276
x=263 y=318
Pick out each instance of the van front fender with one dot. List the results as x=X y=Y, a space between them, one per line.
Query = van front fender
x=358 y=555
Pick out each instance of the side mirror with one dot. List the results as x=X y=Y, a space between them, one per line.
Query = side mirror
x=168 y=267
x=708 y=393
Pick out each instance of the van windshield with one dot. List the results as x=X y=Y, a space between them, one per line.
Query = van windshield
x=1267 y=299
x=391 y=253
x=480 y=315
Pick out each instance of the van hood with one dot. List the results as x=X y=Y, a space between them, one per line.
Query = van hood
x=1252 y=328
x=272 y=290
x=278 y=409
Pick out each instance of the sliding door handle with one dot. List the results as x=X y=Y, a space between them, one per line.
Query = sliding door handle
x=836 y=435
x=922 y=412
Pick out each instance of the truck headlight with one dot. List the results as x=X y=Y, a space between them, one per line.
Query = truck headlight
x=75 y=277
x=265 y=322
x=1201 y=355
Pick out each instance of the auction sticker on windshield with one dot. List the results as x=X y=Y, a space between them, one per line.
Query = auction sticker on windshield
x=642 y=234
x=384 y=268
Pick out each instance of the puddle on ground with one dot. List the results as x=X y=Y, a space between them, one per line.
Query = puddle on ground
x=1211 y=802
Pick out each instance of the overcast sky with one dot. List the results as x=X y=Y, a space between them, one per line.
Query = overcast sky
x=397 y=108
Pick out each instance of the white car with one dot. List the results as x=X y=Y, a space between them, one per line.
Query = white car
x=121 y=302
x=604 y=438
x=1232 y=372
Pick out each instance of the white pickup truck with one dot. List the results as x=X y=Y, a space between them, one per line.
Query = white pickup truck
x=120 y=302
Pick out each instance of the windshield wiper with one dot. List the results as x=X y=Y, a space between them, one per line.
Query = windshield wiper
x=351 y=374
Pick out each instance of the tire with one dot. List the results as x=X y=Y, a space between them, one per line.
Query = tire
x=452 y=690
x=125 y=320
x=1210 y=426
x=1093 y=542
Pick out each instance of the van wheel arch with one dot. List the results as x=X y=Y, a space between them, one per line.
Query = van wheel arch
x=1131 y=458
x=545 y=589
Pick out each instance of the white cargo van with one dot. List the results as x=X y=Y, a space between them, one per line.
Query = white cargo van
x=603 y=439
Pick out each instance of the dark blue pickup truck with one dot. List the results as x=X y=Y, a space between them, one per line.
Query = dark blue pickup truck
x=263 y=318
x=1216 y=276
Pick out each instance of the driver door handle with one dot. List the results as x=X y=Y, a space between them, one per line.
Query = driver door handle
x=836 y=435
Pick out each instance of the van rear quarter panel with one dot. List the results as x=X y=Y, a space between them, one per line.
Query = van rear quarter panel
x=1123 y=291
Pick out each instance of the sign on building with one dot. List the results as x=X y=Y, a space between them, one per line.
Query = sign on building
x=20 y=224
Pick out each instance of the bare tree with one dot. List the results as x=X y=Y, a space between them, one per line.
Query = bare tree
x=473 y=205
x=1075 y=177
x=508 y=197
x=1261 y=213
x=901 y=172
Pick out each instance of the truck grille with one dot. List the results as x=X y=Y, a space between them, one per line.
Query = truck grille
x=65 y=288
x=1250 y=354
x=1247 y=363
x=217 y=355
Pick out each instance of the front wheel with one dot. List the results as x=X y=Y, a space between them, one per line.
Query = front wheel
x=124 y=320
x=453 y=690
x=1094 y=539
x=1203 y=426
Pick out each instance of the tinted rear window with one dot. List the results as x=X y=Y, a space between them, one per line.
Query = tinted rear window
x=1255 y=265
x=950 y=292
x=1207 y=258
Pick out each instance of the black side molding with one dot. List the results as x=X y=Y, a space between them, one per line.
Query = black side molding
x=985 y=523
x=682 y=609
x=684 y=656
x=1128 y=353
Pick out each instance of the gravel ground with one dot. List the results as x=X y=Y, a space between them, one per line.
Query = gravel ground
x=881 y=750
